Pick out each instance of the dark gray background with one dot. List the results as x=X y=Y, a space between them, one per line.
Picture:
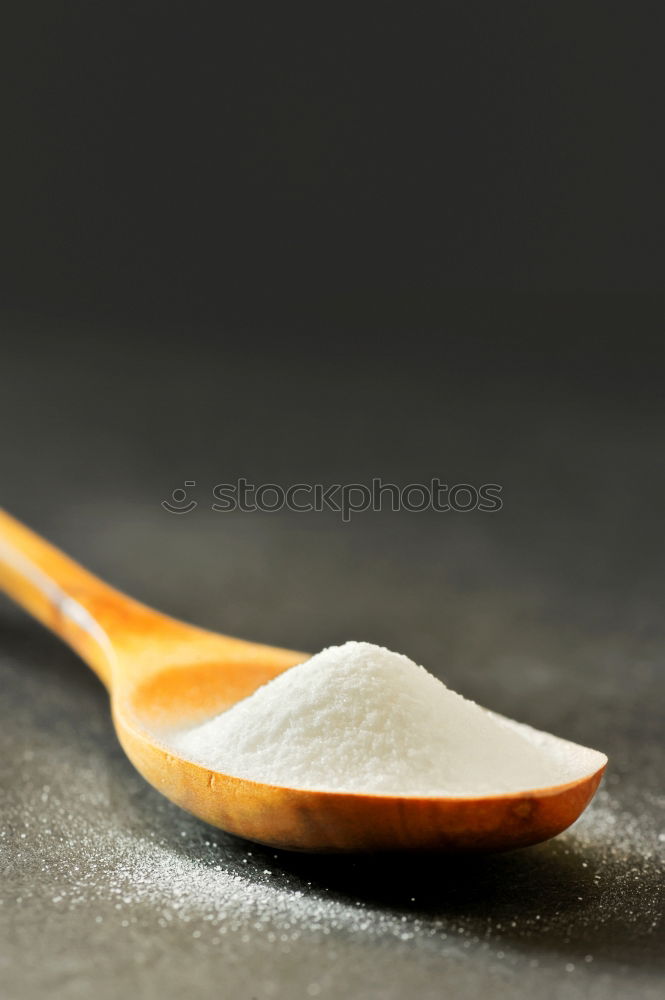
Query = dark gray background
x=226 y=163
x=323 y=248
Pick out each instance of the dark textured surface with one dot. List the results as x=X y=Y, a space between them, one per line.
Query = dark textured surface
x=546 y=611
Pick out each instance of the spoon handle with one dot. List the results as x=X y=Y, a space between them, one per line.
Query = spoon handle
x=92 y=617
x=120 y=638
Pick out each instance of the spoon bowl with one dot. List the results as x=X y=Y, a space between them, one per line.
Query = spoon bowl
x=163 y=675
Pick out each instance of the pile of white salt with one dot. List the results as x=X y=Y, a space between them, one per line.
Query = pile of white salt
x=360 y=718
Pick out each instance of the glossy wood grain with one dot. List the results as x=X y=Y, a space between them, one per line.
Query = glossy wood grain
x=162 y=673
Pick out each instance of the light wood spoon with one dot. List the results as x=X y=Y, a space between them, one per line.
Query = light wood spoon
x=162 y=674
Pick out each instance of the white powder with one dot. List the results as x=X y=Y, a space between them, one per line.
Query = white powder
x=359 y=718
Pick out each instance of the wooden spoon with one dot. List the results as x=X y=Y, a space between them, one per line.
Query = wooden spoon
x=162 y=673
